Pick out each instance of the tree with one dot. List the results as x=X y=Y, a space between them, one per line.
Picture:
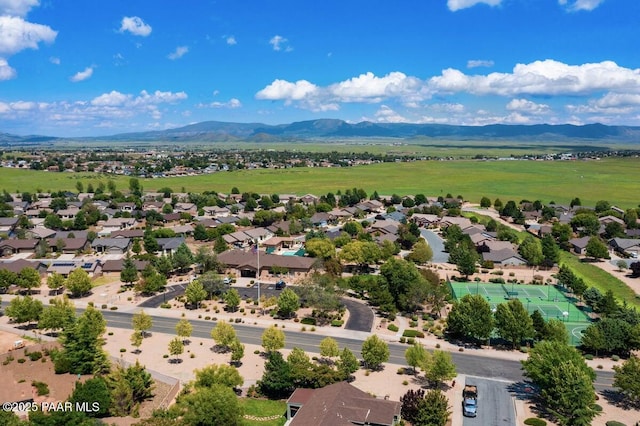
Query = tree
x=176 y=347
x=471 y=317
x=272 y=339
x=277 y=380
x=195 y=293
x=55 y=281
x=7 y=278
x=550 y=251
x=217 y=405
x=466 y=259
x=207 y=259
x=421 y=253
x=288 y=303
x=60 y=314
x=237 y=351
x=621 y=264
x=184 y=329
x=24 y=309
x=410 y=402
x=232 y=299
x=136 y=247
x=555 y=330
x=129 y=273
x=78 y=282
x=439 y=367
x=597 y=249
x=91 y=391
x=348 y=363
x=531 y=250
x=151 y=281
x=301 y=367
x=416 y=356
x=565 y=381
x=141 y=322
x=627 y=378
x=485 y=202
x=212 y=283
x=218 y=374
x=513 y=322
x=432 y=410
x=82 y=342
x=224 y=335
x=182 y=258
x=329 y=348
x=321 y=248
x=375 y=351
x=136 y=339
x=28 y=278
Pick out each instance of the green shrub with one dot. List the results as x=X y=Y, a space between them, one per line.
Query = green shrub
x=533 y=421
x=411 y=341
x=404 y=382
x=615 y=358
x=403 y=340
x=308 y=321
x=524 y=349
x=614 y=423
x=413 y=333
x=588 y=357
x=21 y=360
x=123 y=350
x=336 y=323
x=41 y=387
x=34 y=356
x=597 y=408
x=391 y=316
x=114 y=308
x=8 y=360
x=413 y=324
x=393 y=327
x=104 y=306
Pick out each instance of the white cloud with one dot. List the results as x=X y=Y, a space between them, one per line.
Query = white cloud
x=178 y=53
x=82 y=75
x=231 y=40
x=17 y=7
x=113 y=98
x=16 y=34
x=527 y=107
x=387 y=115
x=280 y=43
x=6 y=72
x=233 y=103
x=546 y=77
x=577 y=5
x=475 y=63
x=284 y=90
x=455 y=5
x=135 y=26
x=54 y=60
x=370 y=88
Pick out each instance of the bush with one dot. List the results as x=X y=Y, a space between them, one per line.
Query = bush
x=61 y=364
x=597 y=408
x=393 y=327
x=21 y=360
x=496 y=280
x=411 y=341
x=614 y=423
x=588 y=357
x=400 y=371
x=123 y=350
x=8 y=360
x=403 y=340
x=615 y=358
x=533 y=421
x=165 y=356
x=34 y=356
x=524 y=349
x=413 y=333
x=308 y=321
x=336 y=323
x=413 y=324
x=41 y=387
x=404 y=382
x=104 y=306
x=303 y=328
x=391 y=316
x=256 y=352
x=114 y=308
x=313 y=329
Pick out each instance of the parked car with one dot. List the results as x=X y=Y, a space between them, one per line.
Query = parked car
x=280 y=285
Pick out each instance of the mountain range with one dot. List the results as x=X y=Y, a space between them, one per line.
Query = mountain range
x=215 y=131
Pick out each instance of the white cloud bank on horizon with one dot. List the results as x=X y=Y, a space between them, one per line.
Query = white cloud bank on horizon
x=578 y=5
x=455 y=5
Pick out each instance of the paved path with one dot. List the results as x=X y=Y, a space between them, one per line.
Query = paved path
x=437 y=245
x=360 y=316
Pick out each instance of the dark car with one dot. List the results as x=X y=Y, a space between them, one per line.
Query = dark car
x=280 y=285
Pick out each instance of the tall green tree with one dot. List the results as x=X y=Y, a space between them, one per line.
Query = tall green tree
x=439 y=367
x=232 y=299
x=375 y=352
x=421 y=252
x=277 y=379
x=416 y=356
x=513 y=322
x=432 y=410
x=184 y=329
x=329 y=347
x=24 y=309
x=183 y=257
x=288 y=303
x=129 y=273
x=212 y=406
x=78 y=282
x=223 y=334
x=58 y=315
x=29 y=278
x=82 y=342
x=531 y=250
x=627 y=379
x=55 y=281
x=347 y=363
x=471 y=318
x=176 y=347
x=597 y=249
x=195 y=293
x=273 y=339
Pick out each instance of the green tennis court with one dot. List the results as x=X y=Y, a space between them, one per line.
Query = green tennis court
x=548 y=299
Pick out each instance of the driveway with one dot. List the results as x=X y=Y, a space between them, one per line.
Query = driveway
x=360 y=316
x=437 y=245
x=170 y=293
x=495 y=404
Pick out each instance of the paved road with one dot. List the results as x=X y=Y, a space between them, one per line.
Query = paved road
x=495 y=404
x=170 y=293
x=474 y=365
x=437 y=245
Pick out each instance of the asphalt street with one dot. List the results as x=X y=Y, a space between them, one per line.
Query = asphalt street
x=437 y=245
x=468 y=364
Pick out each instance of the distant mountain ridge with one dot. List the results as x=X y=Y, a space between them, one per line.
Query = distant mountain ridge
x=212 y=131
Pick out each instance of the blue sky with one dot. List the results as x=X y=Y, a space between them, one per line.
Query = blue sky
x=83 y=68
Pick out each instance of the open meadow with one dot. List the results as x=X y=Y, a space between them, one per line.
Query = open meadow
x=612 y=179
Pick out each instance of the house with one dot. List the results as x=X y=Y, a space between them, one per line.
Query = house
x=340 y=404
x=12 y=246
x=117 y=265
x=115 y=224
x=462 y=222
x=8 y=224
x=245 y=263
x=308 y=199
x=126 y=207
x=215 y=211
x=65 y=267
x=182 y=230
x=604 y=220
x=278 y=243
x=128 y=233
x=189 y=208
x=18 y=265
x=40 y=232
x=68 y=245
x=425 y=220
x=68 y=213
x=169 y=245
x=579 y=245
x=628 y=246
x=111 y=245
x=503 y=257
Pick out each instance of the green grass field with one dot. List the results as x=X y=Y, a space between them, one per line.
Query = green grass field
x=600 y=279
x=614 y=180
x=263 y=408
